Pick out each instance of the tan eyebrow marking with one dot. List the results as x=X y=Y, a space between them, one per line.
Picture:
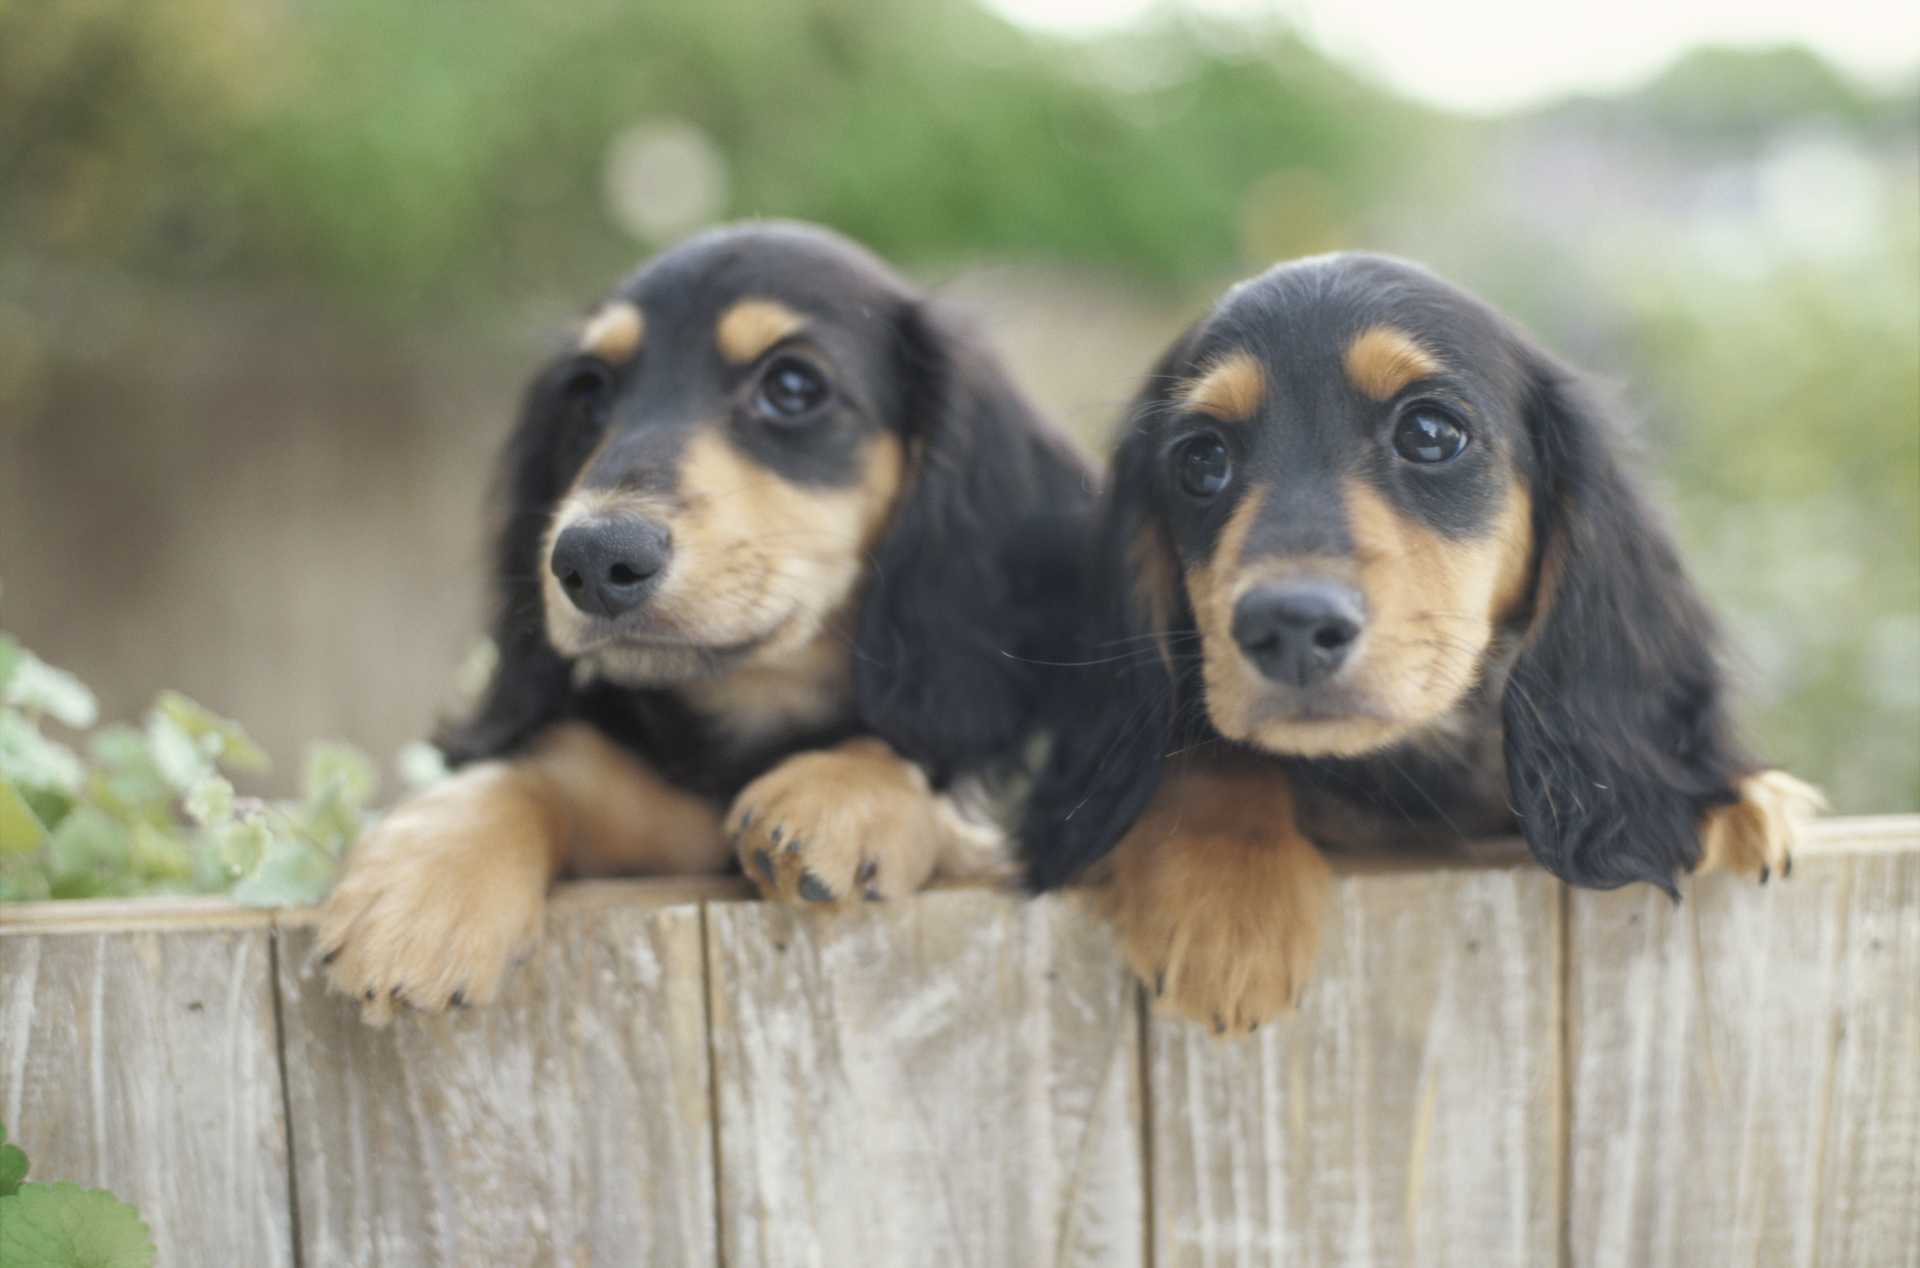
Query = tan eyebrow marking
x=1383 y=359
x=614 y=333
x=1230 y=389
x=752 y=326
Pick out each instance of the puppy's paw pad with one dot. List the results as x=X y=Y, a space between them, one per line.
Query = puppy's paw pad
x=432 y=911
x=1200 y=972
x=1757 y=835
x=1223 y=929
x=836 y=827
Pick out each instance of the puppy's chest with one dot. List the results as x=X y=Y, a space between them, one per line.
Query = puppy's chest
x=763 y=708
x=1434 y=795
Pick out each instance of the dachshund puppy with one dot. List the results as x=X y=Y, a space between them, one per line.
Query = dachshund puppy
x=1372 y=572
x=761 y=589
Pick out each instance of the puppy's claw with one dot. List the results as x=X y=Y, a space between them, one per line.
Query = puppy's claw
x=813 y=889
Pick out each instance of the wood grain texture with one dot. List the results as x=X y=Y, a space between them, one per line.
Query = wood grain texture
x=1869 y=1211
x=1743 y=1070
x=953 y=1080
x=1408 y=1114
x=145 y=1063
x=567 y=1124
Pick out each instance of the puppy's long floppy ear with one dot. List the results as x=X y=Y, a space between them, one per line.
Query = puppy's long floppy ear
x=530 y=684
x=1617 y=734
x=956 y=605
x=1129 y=675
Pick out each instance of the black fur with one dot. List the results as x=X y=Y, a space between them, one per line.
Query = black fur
x=956 y=624
x=944 y=661
x=1617 y=735
x=1603 y=696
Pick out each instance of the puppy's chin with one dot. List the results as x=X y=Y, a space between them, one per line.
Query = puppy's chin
x=1337 y=737
x=644 y=654
x=630 y=665
x=1332 y=723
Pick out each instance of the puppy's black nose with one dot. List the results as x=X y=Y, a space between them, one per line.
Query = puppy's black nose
x=607 y=566
x=1298 y=632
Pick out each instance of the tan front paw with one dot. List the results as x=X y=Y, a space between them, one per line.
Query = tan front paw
x=1757 y=834
x=1223 y=930
x=855 y=823
x=440 y=898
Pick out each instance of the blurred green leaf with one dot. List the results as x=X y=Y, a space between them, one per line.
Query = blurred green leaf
x=210 y=804
x=341 y=774
x=218 y=738
x=21 y=831
x=419 y=765
x=291 y=873
x=88 y=850
x=31 y=684
x=29 y=759
x=13 y=1164
x=66 y=1226
x=12 y=655
x=154 y=855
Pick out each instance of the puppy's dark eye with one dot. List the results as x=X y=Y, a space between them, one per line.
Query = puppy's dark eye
x=790 y=390
x=586 y=399
x=1428 y=434
x=588 y=385
x=1202 y=466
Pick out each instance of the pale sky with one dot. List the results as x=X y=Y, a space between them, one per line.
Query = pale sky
x=1492 y=54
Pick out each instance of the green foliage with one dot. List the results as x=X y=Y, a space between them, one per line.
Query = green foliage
x=1795 y=436
x=64 y=1225
x=13 y=1165
x=151 y=809
x=394 y=154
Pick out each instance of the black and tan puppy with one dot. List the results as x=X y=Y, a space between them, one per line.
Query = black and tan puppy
x=760 y=589
x=1375 y=574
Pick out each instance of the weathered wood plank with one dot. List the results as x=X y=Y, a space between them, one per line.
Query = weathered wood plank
x=1869 y=1194
x=1408 y=1114
x=1743 y=1069
x=952 y=1080
x=567 y=1124
x=145 y=1063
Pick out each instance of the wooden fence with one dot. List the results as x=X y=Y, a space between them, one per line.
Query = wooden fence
x=1488 y=1070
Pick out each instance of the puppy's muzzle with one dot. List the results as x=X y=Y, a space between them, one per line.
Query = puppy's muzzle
x=1299 y=632
x=608 y=567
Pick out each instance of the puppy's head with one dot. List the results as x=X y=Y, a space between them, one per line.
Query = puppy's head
x=726 y=444
x=1334 y=480
x=1353 y=496
x=765 y=433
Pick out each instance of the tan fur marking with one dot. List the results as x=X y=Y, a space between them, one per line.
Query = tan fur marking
x=1216 y=897
x=755 y=558
x=856 y=823
x=1230 y=389
x=446 y=891
x=752 y=326
x=619 y=816
x=614 y=333
x=1758 y=834
x=1433 y=607
x=1382 y=360
x=1154 y=582
x=1231 y=684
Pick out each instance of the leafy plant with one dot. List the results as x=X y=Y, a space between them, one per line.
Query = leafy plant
x=64 y=1225
x=152 y=809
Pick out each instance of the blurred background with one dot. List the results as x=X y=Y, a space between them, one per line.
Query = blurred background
x=271 y=275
